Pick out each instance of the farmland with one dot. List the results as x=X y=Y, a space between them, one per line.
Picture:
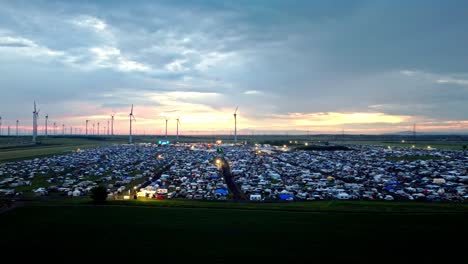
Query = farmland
x=13 y=149
x=178 y=229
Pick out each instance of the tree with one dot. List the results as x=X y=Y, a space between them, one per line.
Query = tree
x=99 y=194
x=464 y=147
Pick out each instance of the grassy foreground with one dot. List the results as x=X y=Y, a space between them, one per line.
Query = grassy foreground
x=172 y=231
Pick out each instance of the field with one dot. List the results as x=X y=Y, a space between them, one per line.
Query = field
x=175 y=230
x=20 y=148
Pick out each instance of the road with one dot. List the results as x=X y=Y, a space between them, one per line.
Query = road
x=228 y=178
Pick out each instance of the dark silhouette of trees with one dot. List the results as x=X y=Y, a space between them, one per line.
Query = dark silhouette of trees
x=99 y=194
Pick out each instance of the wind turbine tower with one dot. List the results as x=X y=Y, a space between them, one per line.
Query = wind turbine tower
x=166 y=127
x=132 y=118
x=112 y=124
x=107 y=127
x=0 y=125
x=35 y=116
x=87 y=126
x=63 y=129
x=46 y=120
x=17 y=122
x=235 y=125
x=178 y=122
x=55 y=128
x=98 y=128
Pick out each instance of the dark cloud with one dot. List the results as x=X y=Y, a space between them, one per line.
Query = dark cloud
x=14 y=45
x=302 y=56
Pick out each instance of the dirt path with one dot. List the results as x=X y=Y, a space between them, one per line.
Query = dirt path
x=228 y=178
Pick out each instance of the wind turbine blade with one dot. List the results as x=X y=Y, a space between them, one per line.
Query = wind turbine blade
x=131 y=112
x=235 y=112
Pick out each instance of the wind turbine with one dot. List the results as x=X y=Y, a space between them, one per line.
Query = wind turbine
x=132 y=118
x=166 y=126
x=63 y=129
x=98 y=128
x=35 y=116
x=178 y=122
x=235 y=125
x=17 y=122
x=55 y=128
x=112 y=124
x=46 y=119
x=87 y=126
x=108 y=127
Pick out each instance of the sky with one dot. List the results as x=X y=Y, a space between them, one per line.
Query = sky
x=365 y=67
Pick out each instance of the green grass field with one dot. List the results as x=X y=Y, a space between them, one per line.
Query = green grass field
x=19 y=150
x=316 y=206
x=175 y=232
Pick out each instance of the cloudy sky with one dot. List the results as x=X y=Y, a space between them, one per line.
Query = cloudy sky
x=323 y=66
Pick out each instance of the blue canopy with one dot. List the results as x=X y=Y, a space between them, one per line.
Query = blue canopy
x=284 y=197
x=221 y=191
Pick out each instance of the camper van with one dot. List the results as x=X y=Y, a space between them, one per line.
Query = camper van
x=255 y=197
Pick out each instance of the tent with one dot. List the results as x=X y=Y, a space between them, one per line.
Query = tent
x=343 y=196
x=286 y=197
x=221 y=192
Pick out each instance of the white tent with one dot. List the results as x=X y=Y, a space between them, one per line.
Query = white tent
x=343 y=196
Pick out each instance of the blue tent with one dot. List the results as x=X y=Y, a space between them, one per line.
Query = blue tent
x=391 y=186
x=221 y=191
x=285 y=197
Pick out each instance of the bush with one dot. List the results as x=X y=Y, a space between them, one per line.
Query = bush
x=99 y=194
